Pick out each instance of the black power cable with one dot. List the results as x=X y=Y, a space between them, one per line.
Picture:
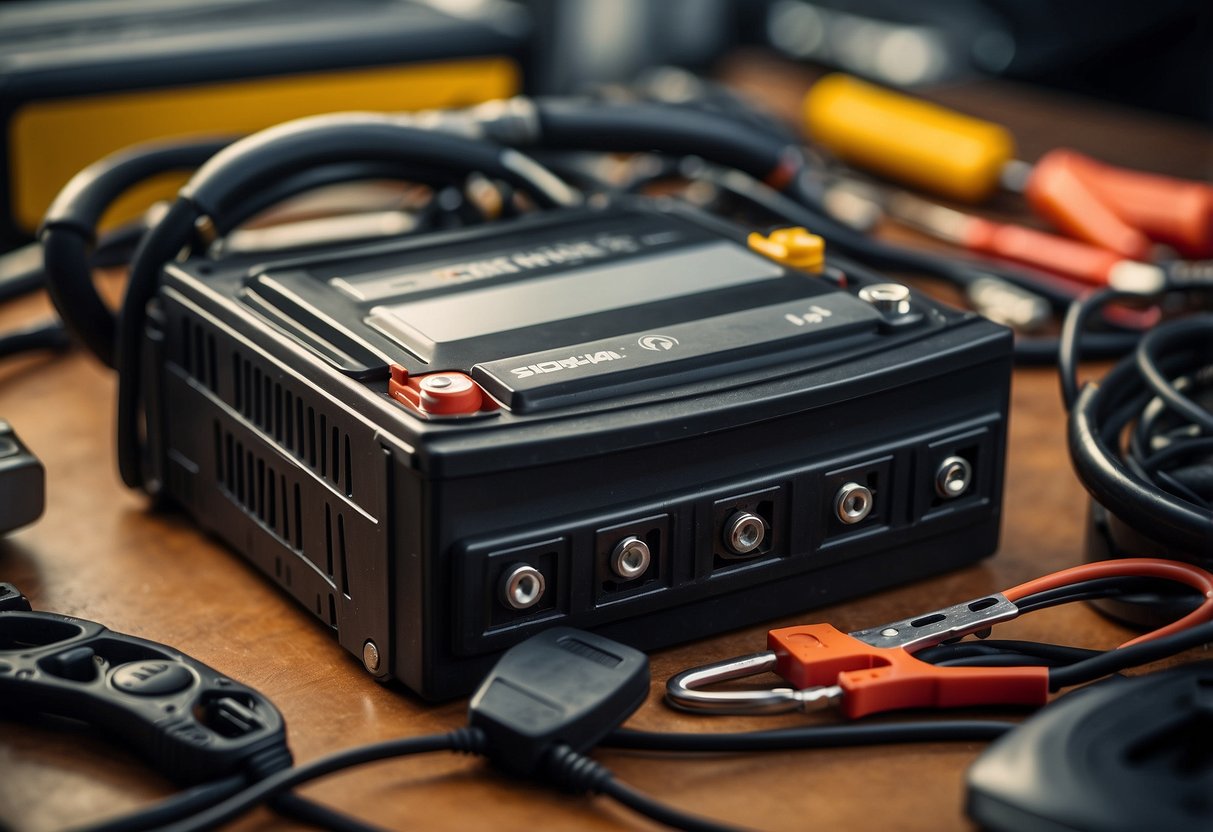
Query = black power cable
x=181 y=805
x=66 y=261
x=1133 y=655
x=69 y=230
x=43 y=336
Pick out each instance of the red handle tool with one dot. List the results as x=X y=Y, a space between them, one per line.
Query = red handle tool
x=1121 y=210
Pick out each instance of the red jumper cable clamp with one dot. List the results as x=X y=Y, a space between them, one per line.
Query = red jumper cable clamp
x=874 y=670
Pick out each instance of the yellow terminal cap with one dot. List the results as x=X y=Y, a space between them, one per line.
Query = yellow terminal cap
x=907 y=139
x=794 y=247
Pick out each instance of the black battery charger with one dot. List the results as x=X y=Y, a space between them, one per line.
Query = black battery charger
x=618 y=418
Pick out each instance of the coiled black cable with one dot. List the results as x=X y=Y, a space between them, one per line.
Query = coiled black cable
x=1161 y=482
x=69 y=230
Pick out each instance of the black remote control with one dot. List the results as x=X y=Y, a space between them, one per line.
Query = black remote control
x=188 y=720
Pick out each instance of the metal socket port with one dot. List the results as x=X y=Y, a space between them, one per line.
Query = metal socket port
x=522 y=586
x=953 y=477
x=853 y=503
x=744 y=532
x=630 y=558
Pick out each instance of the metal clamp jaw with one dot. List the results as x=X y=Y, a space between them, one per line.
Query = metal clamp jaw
x=683 y=691
x=866 y=671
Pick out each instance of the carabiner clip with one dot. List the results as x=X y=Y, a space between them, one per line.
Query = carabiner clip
x=683 y=691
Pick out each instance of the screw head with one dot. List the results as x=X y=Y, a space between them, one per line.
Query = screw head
x=370 y=656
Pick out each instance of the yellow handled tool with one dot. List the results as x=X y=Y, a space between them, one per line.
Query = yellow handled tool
x=907 y=139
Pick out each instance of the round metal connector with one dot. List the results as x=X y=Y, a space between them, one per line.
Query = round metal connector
x=853 y=503
x=522 y=586
x=630 y=558
x=953 y=477
x=370 y=656
x=891 y=299
x=744 y=532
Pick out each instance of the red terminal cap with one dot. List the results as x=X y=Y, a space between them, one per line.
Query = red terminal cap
x=448 y=393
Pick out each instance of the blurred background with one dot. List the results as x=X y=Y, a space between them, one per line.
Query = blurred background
x=82 y=78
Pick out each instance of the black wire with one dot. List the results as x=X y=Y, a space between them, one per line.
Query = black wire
x=70 y=226
x=194 y=800
x=1097 y=588
x=1113 y=661
x=1073 y=327
x=816 y=736
x=245 y=207
x=1099 y=415
x=1001 y=660
x=574 y=772
x=463 y=739
x=299 y=808
x=663 y=813
x=183 y=804
x=20 y=272
x=1019 y=652
x=1188 y=333
x=1096 y=346
x=43 y=336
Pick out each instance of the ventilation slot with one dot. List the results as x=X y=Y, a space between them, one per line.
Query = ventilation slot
x=258 y=488
x=199 y=354
x=300 y=430
x=335 y=548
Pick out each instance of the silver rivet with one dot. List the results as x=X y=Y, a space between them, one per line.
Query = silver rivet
x=438 y=382
x=888 y=632
x=370 y=656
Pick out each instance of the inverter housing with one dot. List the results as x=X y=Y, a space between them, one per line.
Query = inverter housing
x=644 y=375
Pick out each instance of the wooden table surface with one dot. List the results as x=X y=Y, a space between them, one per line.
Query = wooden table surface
x=99 y=553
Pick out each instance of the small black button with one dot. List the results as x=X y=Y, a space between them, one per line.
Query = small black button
x=76 y=664
x=152 y=678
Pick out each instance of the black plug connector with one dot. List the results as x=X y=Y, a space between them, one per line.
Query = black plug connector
x=562 y=689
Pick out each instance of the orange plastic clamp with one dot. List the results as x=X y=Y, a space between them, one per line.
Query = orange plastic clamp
x=876 y=679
